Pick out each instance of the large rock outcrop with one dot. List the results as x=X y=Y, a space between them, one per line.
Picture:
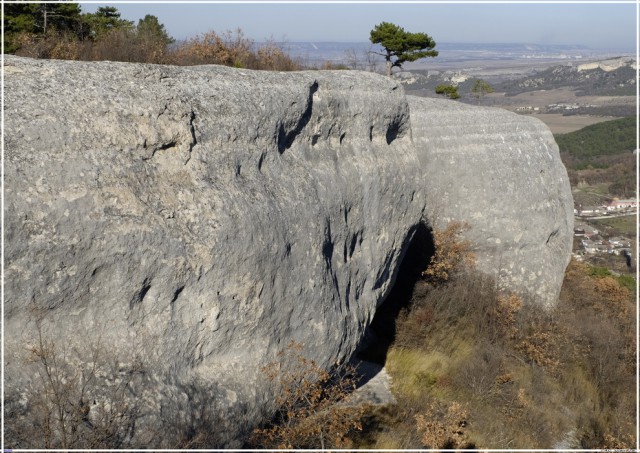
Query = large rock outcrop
x=194 y=221
x=501 y=174
x=202 y=217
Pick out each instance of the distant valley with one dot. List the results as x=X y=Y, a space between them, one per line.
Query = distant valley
x=565 y=96
x=452 y=55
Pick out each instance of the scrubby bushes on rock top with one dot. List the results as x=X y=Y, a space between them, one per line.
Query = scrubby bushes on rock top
x=62 y=32
x=131 y=45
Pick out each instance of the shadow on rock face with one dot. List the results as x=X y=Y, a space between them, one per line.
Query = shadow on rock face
x=381 y=333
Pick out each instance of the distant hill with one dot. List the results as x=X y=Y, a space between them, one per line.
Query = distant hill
x=614 y=77
x=602 y=139
x=602 y=154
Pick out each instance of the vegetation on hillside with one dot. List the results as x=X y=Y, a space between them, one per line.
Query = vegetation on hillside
x=474 y=367
x=593 y=82
x=602 y=153
x=601 y=139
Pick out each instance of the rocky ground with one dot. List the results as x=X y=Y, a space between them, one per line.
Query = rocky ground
x=375 y=385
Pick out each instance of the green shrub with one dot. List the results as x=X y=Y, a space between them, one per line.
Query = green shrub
x=448 y=91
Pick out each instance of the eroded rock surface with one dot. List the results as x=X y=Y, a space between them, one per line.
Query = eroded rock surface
x=500 y=173
x=191 y=222
x=202 y=218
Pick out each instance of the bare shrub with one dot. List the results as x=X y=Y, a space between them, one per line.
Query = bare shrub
x=371 y=60
x=73 y=404
x=129 y=46
x=310 y=413
x=240 y=48
x=452 y=253
x=351 y=58
x=270 y=56
x=55 y=44
x=195 y=415
x=443 y=426
x=464 y=304
x=232 y=49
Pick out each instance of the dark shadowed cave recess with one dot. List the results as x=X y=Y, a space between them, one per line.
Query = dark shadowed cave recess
x=382 y=330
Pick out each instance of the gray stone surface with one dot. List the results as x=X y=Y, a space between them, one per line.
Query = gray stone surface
x=374 y=385
x=202 y=217
x=191 y=222
x=500 y=173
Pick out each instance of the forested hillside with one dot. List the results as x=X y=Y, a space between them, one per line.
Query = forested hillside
x=602 y=154
x=602 y=139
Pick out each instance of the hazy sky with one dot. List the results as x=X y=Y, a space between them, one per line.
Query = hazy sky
x=596 y=25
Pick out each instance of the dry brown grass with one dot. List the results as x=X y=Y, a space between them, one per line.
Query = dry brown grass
x=529 y=378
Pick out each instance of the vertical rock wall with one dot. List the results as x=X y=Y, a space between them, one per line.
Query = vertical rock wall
x=199 y=219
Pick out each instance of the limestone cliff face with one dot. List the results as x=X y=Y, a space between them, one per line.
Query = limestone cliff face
x=198 y=219
x=500 y=173
x=203 y=217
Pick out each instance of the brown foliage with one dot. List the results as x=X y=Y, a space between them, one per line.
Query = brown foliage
x=62 y=46
x=207 y=48
x=311 y=411
x=229 y=49
x=452 y=253
x=443 y=427
x=232 y=49
x=271 y=57
x=505 y=311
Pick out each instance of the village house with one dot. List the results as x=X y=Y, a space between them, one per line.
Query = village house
x=618 y=241
x=527 y=109
x=590 y=210
x=615 y=204
x=587 y=231
x=590 y=246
